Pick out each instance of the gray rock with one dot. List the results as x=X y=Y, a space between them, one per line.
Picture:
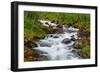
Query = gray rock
x=39 y=51
x=43 y=58
x=51 y=35
x=73 y=51
x=73 y=38
x=66 y=41
x=58 y=29
x=45 y=44
x=47 y=23
x=55 y=36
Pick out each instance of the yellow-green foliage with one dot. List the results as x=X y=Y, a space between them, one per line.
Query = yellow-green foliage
x=32 y=36
x=28 y=35
x=85 y=51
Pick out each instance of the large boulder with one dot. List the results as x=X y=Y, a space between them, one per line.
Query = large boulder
x=66 y=41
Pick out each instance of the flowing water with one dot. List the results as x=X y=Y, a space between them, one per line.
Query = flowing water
x=54 y=47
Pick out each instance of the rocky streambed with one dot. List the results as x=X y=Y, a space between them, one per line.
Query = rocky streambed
x=59 y=45
x=63 y=43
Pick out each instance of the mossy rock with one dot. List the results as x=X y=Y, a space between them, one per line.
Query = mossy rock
x=30 y=55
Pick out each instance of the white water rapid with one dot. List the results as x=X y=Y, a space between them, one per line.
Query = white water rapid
x=53 y=44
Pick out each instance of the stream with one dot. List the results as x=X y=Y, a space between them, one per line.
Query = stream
x=58 y=46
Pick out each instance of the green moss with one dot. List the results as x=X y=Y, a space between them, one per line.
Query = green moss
x=85 y=51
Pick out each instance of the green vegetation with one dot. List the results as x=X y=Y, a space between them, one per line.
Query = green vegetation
x=31 y=24
x=85 y=51
x=79 y=20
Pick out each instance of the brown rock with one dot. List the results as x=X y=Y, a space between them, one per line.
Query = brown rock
x=31 y=44
x=58 y=29
x=73 y=38
x=66 y=41
x=78 y=44
x=30 y=54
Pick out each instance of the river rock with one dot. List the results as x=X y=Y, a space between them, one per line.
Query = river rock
x=73 y=38
x=73 y=51
x=66 y=41
x=43 y=58
x=78 y=44
x=55 y=36
x=39 y=51
x=47 y=23
x=31 y=44
x=53 y=21
x=45 y=44
x=58 y=29
x=50 y=36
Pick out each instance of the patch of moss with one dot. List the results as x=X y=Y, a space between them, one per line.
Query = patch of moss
x=85 y=51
